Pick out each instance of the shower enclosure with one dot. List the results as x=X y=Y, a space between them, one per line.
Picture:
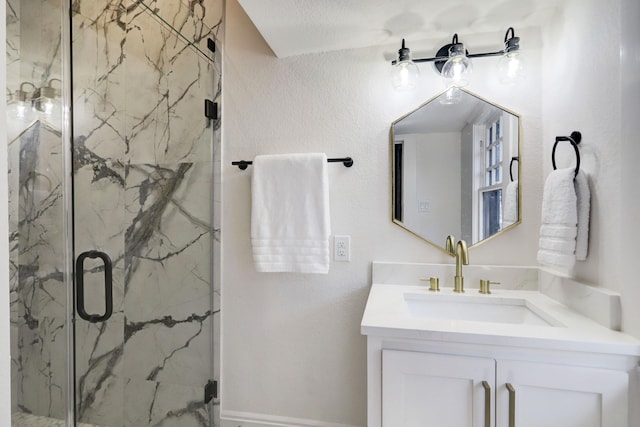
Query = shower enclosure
x=113 y=176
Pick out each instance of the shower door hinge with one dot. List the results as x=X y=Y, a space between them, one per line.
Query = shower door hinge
x=210 y=109
x=210 y=391
x=211 y=45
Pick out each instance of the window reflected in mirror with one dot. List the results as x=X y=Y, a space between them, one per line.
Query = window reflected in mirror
x=455 y=169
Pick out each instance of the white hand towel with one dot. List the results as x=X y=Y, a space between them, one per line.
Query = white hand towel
x=290 y=223
x=558 y=230
x=511 y=203
x=584 y=206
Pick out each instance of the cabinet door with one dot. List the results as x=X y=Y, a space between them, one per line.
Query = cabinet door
x=423 y=389
x=556 y=395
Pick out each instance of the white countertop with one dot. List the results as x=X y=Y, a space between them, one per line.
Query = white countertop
x=386 y=315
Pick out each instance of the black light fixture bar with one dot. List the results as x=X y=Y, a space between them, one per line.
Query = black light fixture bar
x=444 y=58
x=511 y=44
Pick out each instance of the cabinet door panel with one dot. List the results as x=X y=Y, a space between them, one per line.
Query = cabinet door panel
x=556 y=395
x=421 y=389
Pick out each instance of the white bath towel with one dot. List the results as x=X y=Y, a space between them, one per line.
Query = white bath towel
x=511 y=203
x=290 y=223
x=583 y=195
x=558 y=229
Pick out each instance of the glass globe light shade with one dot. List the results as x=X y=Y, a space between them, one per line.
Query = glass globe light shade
x=452 y=96
x=44 y=100
x=404 y=75
x=511 y=67
x=19 y=108
x=457 y=69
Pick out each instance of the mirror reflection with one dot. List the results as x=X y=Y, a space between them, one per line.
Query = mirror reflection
x=456 y=168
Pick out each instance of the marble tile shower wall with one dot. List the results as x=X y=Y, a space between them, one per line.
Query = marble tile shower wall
x=145 y=188
x=37 y=288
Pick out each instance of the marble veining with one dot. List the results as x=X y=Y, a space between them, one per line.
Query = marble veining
x=37 y=318
x=21 y=419
x=146 y=171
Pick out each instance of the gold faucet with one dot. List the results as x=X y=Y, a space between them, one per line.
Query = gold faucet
x=462 y=258
x=450 y=245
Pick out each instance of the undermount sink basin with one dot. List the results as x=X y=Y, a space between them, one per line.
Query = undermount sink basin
x=476 y=308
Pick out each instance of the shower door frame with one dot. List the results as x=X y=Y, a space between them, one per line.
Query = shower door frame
x=67 y=191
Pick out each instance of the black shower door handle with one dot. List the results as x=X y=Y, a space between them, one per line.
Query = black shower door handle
x=108 y=287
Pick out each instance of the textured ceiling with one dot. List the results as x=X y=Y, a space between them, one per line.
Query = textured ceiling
x=294 y=27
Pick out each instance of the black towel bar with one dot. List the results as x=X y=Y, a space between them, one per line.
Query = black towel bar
x=574 y=140
x=346 y=161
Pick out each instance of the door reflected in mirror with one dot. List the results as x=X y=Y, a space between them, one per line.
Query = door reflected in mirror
x=456 y=167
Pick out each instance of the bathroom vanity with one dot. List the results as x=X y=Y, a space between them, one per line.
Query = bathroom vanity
x=515 y=357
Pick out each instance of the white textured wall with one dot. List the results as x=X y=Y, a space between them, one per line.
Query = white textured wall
x=629 y=225
x=582 y=92
x=467 y=187
x=291 y=343
x=595 y=88
x=5 y=356
x=586 y=89
x=432 y=174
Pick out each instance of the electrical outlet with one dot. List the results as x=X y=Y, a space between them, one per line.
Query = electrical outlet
x=424 y=206
x=342 y=248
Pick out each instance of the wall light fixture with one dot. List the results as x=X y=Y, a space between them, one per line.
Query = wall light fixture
x=43 y=98
x=40 y=99
x=21 y=96
x=453 y=62
x=405 y=72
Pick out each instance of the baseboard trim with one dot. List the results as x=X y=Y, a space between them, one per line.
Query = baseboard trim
x=250 y=419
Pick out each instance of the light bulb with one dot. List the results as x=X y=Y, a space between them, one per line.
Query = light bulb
x=47 y=107
x=21 y=109
x=44 y=100
x=404 y=75
x=457 y=69
x=20 y=106
x=511 y=67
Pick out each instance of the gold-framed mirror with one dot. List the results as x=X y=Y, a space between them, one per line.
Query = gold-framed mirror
x=456 y=169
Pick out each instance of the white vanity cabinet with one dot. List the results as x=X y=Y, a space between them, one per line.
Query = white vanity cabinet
x=514 y=358
x=454 y=390
x=423 y=389
x=560 y=395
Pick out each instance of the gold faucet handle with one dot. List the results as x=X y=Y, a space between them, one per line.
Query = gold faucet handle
x=485 y=286
x=434 y=284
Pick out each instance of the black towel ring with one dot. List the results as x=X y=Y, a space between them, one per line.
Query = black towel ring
x=574 y=139
x=513 y=159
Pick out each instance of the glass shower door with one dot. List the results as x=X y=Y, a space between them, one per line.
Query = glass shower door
x=142 y=195
x=38 y=221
